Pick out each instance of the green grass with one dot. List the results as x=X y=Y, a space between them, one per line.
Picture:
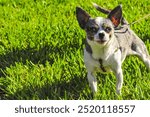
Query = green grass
x=41 y=51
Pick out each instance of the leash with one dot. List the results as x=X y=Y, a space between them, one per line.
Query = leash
x=146 y=16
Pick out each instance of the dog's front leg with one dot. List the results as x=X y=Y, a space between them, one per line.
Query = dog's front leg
x=91 y=66
x=116 y=67
x=119 y=76
x=92 y=81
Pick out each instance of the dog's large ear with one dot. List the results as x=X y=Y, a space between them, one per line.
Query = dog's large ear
x=82 y=17
x=116 y=15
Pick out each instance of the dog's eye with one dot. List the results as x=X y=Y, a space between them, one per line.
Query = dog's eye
x=92 y=29
x=107 y=29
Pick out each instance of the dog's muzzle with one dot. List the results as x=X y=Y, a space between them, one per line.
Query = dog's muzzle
x=101 y=38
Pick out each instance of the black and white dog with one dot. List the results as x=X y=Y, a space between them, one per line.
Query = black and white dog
x=107 y=45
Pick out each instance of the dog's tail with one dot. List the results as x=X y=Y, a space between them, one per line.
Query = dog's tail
x=105 y=11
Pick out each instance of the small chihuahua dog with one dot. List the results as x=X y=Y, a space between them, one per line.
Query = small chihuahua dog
x=108 y=42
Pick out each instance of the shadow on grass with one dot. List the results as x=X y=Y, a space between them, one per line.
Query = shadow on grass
x=35 y=56
x=16 y=55
x=57 y=90
x=71 y=90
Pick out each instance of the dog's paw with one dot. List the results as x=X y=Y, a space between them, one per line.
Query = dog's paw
x=118 y=91
x=94 y=89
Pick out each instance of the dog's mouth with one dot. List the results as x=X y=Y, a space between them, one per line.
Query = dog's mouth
x=101 y=41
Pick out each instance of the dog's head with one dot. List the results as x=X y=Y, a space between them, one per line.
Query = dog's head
x=99 y=30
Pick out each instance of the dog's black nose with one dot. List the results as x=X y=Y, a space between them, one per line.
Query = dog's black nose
x=101 y=35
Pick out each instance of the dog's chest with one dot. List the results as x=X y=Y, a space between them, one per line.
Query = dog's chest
x=102 y=61
x=102 y=65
